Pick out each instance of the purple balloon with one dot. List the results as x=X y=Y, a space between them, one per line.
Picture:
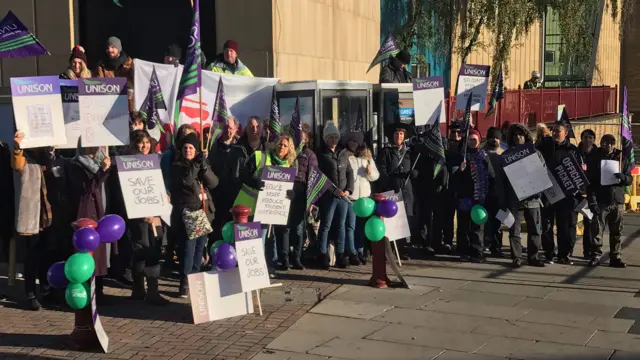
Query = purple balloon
x=387 y=208
x=56 y=276
x=111 y=228
x=226 y=257
x=86 y=239
x=465 y=204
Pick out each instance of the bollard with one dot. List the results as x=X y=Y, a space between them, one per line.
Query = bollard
x=379 y=277
x=240 y=214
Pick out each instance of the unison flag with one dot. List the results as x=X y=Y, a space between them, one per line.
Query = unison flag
x=497 y=94
x=153 y=102
x=388 y=48
x=296 y=127
x=317 y=184
x=433 y=142
x=16 y=41
x=221 y=114
x=191 y=78
x=625 y=130
x=275 y=127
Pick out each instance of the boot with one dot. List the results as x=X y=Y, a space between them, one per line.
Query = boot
x=342 y=261
x=184 y=288
x=153 y=295
x=324 y=261
x=137 y=290
x=285 y=263
x=295 y=260
x=354 y=260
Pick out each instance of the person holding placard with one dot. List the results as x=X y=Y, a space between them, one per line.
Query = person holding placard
x=492 y=228
x=606 y=199
x=527 y=209
x=588 y=151
x=193 y=209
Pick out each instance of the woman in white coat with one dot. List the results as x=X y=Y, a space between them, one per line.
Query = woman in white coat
x=364 y=173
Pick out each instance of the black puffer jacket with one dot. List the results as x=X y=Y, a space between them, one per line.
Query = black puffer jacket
x=392 y=72
x=226 y=162
x=394 y=166
x=335 y=165
x=185 y=187
x=609 y=194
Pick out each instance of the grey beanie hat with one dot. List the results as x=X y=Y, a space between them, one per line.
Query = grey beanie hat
x=115 y=42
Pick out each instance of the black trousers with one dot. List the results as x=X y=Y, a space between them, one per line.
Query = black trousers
x=42 y=253
x=612 y=216
x=293 y=235
x=565 y=218
x=493 y=228
x=443 y=210
x=587 y=237
x=147 y=252
x=533 y=217
x=469 y=236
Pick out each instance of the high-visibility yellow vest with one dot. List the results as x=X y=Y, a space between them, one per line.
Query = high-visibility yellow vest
x=248 y=196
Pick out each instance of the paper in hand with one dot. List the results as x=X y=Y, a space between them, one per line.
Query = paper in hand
x=583 y=208
x=506 y=217
x=608 y=169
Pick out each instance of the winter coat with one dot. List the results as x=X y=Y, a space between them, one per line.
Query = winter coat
x=243 y=143
x=361 y=180
x=553 y=153
x=120 y=67
x=394 y=166
x=7 y=194
x=335 y=165
x=306 y=160
x=607 y=194
x=166 y=163
x=220 y=66
x=462 y=181
x=392 y=72
x=226 y=162
x=186 y=189
x=587 y=156
x=251 y=177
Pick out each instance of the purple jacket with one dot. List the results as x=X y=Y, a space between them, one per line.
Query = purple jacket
x=306 y=160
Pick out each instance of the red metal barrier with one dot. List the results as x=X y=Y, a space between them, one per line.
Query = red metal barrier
x=531 y=107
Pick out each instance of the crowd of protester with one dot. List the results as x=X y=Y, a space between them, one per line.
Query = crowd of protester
x=54 y=188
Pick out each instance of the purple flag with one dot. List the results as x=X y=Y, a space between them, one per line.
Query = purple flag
x=153 y=102
x=275 y=127
x=497 y=94
x=296 y=127
x=221 y=115
x=388 y=48
x=191 y=78
x=16 y=41
x=625 y=131
x=317 y=184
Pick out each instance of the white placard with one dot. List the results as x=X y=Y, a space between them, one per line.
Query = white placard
x=272 y=206
x=472 y=79
x=37 y=109
x=142 y=186
x=428 y=100
x=73 y=125
x=506 y=217
x=554 y=193
x=254 y=274
x=102 y=336
x=608 y=169
x=104 y=110
x=217 y=295
x=398 y=226
x=526 y=172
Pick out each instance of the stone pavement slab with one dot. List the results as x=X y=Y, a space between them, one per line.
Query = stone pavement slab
x=625 y=355
x=476 y=297
x=509 y=289
x=431 y=319
x=537 y=332
x=456 y=355
x=474 y=309
x=358 y=310
x=342 y=327
x=501 y=347
x=371 y=349
x=573 y=307
x=435 y=282
x=550 y=351
x=285 y=355
x=299 y=341
x=435 y=338
x=617 y=341
x=393 y=297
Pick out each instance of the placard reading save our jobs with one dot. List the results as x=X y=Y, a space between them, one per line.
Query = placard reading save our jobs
x=142 y=185
x=272 y=206
x=472 y=79
x=428 y=99
x=254 y=274
x=104 y=110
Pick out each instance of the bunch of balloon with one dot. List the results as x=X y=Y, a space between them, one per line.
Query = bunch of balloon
x=223 y=252
x=375 y=230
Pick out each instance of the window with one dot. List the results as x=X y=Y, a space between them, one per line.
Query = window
x=420 y=71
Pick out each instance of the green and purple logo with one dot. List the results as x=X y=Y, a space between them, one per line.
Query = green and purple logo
x=248 y=231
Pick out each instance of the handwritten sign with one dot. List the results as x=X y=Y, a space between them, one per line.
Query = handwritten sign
x=428 y=97
x=472 y=79
x=104 y=109
x=142 y=185
x=37 y=110
x=397 y=226
x=570 y=176
x=251 y=261
x=272 y=206
x=525 y=170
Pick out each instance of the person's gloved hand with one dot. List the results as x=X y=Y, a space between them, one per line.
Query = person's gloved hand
x=291 y=194
x=260 y=184
x=595 y=209
x=619 y=176
x=202 y=163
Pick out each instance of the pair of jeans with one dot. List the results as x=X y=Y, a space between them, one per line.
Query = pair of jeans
x=359 y=236
x=610 y=215
x=333 y=210
x=350 y=230
x=492 y=228
x=561 y=214
x=533 y=217
x=295 y=226
x=469 y=236
x=269 y=243
x=191 y=255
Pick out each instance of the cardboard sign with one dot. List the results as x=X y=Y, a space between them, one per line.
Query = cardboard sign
x=570 y=176
x=217 y=295
x=37 y=110
x=254 y=274
x=554 y=193
x=525 y=170
x=142 y=185
x=428 y=97
x=397 y=226
x=73 y=126
x=104 y=110
x=272 y=206
x=472 y=79
x=102 y=336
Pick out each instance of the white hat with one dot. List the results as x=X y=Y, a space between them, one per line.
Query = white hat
x=330 y=129
x=535 y=74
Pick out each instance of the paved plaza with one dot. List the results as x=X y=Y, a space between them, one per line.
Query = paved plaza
x=452 y=311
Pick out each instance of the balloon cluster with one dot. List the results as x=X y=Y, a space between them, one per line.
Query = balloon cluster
x=374 y=228
x=75 y=273
x=223 y=252
x=479 y=214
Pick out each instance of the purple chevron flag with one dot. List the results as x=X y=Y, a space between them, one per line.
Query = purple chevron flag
x=153 y=102
x=388 y=49
x=275 y=127
x=497 y=94
x=191 y=79
x=296 y=127
x=16 y=41
x=627 y=138
x=221 y=114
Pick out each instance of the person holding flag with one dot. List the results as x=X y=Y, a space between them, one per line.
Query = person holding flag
x=395 y=71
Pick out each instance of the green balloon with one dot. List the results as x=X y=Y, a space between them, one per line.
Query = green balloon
x=77 y=296
x=374 y=229
x=215 y=245
x=479 y=214
x=364 y=207
x=79 y=268
x=227 y=232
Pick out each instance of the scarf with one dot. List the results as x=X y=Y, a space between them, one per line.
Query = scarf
x=276 y=160
x=479 y=175
x=115 y=64
x=46 y=215
x=92 y=165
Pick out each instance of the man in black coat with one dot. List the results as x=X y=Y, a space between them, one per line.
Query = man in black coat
x=395 y=166
x=588 y=150
x=607 y=201
x=395 y=70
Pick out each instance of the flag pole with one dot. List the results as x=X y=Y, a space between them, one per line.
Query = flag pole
x=202 y=148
